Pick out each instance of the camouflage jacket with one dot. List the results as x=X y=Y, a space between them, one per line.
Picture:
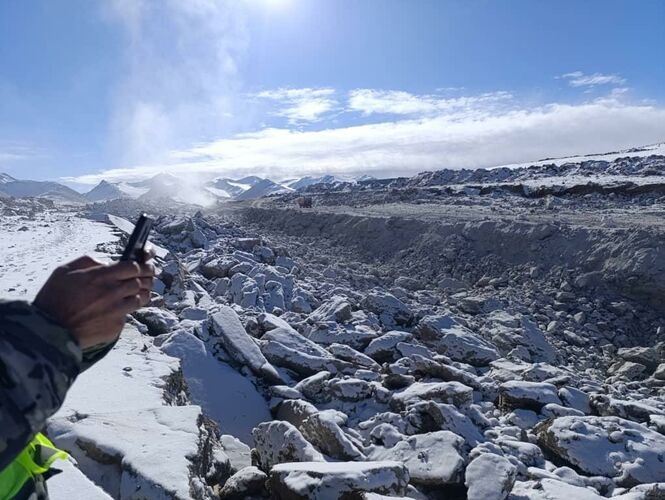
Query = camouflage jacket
x=39 y=361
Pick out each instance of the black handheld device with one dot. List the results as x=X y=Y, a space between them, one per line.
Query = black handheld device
x=138 y=239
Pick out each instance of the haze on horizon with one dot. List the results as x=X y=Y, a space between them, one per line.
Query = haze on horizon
x=126 y=89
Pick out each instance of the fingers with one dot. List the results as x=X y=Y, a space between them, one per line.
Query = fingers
x=83 y=262
x=130 y=287
x=127 y=270
x=130 y=304
x=148 y=252
x=145 y=297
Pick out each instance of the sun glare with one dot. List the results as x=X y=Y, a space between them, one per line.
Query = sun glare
x=276 y=4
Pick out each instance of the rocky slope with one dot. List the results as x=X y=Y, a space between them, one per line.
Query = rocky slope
x=515 y=377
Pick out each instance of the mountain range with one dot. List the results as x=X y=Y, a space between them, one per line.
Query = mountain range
x=164 y=186
x=167 y=186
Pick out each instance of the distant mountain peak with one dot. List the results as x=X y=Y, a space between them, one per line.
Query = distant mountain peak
x=104 y=191
x=5 y=178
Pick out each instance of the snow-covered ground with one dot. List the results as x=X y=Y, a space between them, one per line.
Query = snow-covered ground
x=31 y=249
x=653 y=149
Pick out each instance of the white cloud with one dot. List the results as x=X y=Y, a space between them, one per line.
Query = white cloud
x=408 y=146
x=179 y=78
x=579 y=79
x=301 y=105
x=371 y=101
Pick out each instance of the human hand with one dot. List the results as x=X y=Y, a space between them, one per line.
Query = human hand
x=92 y=299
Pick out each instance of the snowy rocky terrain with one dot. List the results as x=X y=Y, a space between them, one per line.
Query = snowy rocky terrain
x=425 y=339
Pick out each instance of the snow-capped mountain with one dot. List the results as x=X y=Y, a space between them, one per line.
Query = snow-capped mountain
x=5 y=178
x=10 y=186
x=308 y=180
x=263 y=188
x=226 y=188
x=105 y=191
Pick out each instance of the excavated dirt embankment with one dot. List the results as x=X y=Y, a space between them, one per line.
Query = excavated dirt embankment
x=628 y=262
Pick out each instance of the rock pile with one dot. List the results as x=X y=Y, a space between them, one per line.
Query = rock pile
x=409 y=391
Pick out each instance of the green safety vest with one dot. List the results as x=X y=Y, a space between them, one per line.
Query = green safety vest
x=33 y=461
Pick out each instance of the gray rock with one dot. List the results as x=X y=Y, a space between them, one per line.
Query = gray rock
x=335 y=309
x=391 y=311
x=440 y=392
x=659 y=373
x=316 y=481
x=535 y=342
x=278 y=442
x=606 y=446
x=315 y=387
x=628 y=371
x=446 y=336
x=231 y=335
x=246 y=483
x=158 y=321
x=489 y=477
x=246 y=244
x=428 y=416
x=217 y=268
x=574 y=398
x=527 y=395
x=295 y=411
x=349 y=354
x=350 y=389
x=239 y=453
x=264 y=254
x=324 y=433
x=433 y=459
x=198 y=239
x=383 y=348
x=286 y=347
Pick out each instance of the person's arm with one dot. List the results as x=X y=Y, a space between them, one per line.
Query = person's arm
x=82 y=306
x=93 y=354
x=39 y=361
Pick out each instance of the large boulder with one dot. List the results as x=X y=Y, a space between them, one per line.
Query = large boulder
x=440 y=392
x=286 y=347
x=511 y=332
x=383 y=348
x=527 y=395
x=629 y=452
x=335 y=309
x=428 y=416
x=489 y=477
x=322 y=431
x=158 y=321
x=277 y=442
x=391 y=311
x=433 y=459
x=295 y=411
x=446 y=336
x=246 y=483
x=315 y=481
x=217 y=268
x=231 y=335
x=646 y=356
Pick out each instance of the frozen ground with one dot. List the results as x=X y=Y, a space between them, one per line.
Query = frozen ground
x=33 y=246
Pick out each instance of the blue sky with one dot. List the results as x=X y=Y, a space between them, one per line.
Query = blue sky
x=123 y=89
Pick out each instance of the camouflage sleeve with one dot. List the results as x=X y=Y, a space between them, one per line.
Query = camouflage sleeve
x=93 y=354
x=39 y=361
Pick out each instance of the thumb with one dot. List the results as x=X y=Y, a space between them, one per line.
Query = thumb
x=83 y=262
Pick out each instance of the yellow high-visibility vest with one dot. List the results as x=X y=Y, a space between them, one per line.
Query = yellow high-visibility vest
x=34 y=460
